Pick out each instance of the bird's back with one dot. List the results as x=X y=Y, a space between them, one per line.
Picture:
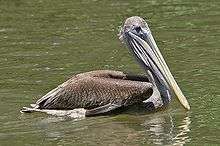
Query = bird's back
x=94 y=89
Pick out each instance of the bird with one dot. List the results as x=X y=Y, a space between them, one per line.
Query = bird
x=104 y=91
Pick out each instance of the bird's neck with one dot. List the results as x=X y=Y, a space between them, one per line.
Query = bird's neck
x=162 y=94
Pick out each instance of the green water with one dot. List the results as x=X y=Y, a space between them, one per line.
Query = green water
x=42 y=43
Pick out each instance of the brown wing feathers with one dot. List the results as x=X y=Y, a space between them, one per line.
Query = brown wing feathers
x=97 y=88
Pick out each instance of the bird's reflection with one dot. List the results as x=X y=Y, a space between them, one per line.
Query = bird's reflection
x=182 y=137
x=160 y=128
x=167 y=129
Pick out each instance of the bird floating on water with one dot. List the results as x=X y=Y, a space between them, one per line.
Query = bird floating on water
x=102 y=91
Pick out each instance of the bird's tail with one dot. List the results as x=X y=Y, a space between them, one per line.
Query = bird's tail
x=33 y=108
x=74 y=113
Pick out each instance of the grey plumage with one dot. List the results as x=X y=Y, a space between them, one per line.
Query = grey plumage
x=95 y=89
x=101 y=91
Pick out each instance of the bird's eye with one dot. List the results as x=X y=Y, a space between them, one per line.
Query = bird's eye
x=137 y=28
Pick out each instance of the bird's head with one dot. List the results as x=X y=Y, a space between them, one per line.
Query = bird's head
x=136 y=34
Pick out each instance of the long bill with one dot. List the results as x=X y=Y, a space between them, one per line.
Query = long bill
x=147 y=51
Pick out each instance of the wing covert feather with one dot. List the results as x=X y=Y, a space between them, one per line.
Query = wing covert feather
x=94 y=90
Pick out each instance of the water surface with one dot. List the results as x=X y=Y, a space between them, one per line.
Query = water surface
x=42 y=43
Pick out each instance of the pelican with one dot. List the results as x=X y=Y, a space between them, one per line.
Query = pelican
x=103 y=91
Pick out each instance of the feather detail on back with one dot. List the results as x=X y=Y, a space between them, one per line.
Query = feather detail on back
x=94 y=89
